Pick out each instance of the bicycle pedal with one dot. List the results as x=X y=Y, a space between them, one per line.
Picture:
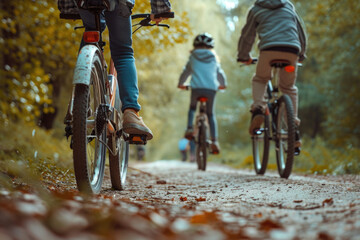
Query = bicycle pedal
x=68 y=131
x=136 y=139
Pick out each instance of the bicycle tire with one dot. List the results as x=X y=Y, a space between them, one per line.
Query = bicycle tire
x=89 y=147
x=285 y=136
x=201 y=148
x=119 y=163
x=260 y=146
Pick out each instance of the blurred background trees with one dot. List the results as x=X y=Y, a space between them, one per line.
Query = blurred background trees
x=38 y=53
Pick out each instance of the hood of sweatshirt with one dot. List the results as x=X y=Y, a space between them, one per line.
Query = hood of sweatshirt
x=271 y=4
x=203 y=55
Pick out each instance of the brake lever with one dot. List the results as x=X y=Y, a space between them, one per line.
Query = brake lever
x=163 y=25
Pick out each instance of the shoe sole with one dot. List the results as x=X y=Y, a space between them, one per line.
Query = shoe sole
x=133 y=128
x=256 y=123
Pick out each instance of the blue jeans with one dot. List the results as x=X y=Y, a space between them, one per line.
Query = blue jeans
x=122 y=53
x=210 y=94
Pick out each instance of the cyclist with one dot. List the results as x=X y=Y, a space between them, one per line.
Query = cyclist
x=281 y=37
x=207 y=77
x=184 y=146
x=118 y=22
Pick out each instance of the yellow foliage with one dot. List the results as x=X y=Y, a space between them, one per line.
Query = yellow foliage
x=34 y=49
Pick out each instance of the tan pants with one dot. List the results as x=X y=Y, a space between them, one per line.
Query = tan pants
x=286 y=84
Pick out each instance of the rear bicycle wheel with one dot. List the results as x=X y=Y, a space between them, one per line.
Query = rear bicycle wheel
x=260 y=146
x=285 y=136
x=201 y=148
x=119 y=163
x=118 y=160
x=89 y=131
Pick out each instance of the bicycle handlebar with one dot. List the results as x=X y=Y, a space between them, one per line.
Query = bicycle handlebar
x=158 y=15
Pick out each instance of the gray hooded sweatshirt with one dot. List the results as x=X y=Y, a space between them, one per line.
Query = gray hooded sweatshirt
x=277 y=25
x=204 y=69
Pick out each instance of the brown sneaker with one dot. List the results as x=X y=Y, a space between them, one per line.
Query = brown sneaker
x=133 y=124
x=257 y=120
x=214 y=147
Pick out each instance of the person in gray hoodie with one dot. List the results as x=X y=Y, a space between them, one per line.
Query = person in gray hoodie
x=281 y=36
x=207 y=77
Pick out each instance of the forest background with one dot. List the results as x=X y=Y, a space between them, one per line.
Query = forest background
x=38 y=54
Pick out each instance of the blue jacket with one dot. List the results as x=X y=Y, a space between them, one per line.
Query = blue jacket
x=205 y=71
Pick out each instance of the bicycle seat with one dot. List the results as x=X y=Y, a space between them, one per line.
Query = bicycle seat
x=202 y=99
x=108 y=5
x=279 y=63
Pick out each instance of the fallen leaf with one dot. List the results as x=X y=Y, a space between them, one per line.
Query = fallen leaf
x=298 y=201
x=204 y=218
x=324 y=236
x=258 y=215
x=268 y=225
x=200 y=199
x=183 y=199
x=160 y=182
x=328 y=201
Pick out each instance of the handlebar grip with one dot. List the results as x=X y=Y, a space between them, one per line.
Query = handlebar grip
x=165 y=15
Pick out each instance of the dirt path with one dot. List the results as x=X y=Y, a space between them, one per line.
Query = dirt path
x=173 y=200
x=307 y=207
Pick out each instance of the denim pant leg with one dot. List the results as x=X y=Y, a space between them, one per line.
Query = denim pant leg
x=210 y=106
x=122 y=54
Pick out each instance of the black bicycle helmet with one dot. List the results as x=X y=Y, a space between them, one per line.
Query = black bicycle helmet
x=204 y=40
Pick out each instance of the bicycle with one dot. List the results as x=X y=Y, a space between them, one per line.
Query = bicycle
x=201 y=136
x=278 y=125
x=94 y=116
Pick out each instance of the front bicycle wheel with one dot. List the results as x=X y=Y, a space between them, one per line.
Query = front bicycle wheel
x=285 y=136
x=260 y=146
x=201 y=148
x=89 y=131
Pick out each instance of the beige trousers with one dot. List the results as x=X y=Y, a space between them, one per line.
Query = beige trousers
x=286 y=84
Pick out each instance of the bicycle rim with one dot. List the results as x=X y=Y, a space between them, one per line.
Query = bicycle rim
x=119 y=164
x=89 y=139
x=201 y=148
x=260 y=145
x=285 y=136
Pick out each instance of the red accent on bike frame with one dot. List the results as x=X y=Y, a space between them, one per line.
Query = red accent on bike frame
x=113 y=88
x=203 y=99
x=267 y=112
x=112 y=71
x=289 y=68
x=91 y=36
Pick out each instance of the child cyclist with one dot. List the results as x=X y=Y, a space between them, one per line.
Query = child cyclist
x=281 y=36
x=207 y=77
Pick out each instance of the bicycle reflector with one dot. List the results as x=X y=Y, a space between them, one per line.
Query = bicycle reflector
x=91 y=36
x=203 y=99
x=290 y=68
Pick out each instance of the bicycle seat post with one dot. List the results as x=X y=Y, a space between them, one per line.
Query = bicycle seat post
x=275 y=82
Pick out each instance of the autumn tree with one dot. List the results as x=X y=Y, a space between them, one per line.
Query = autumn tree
x=39 y=54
